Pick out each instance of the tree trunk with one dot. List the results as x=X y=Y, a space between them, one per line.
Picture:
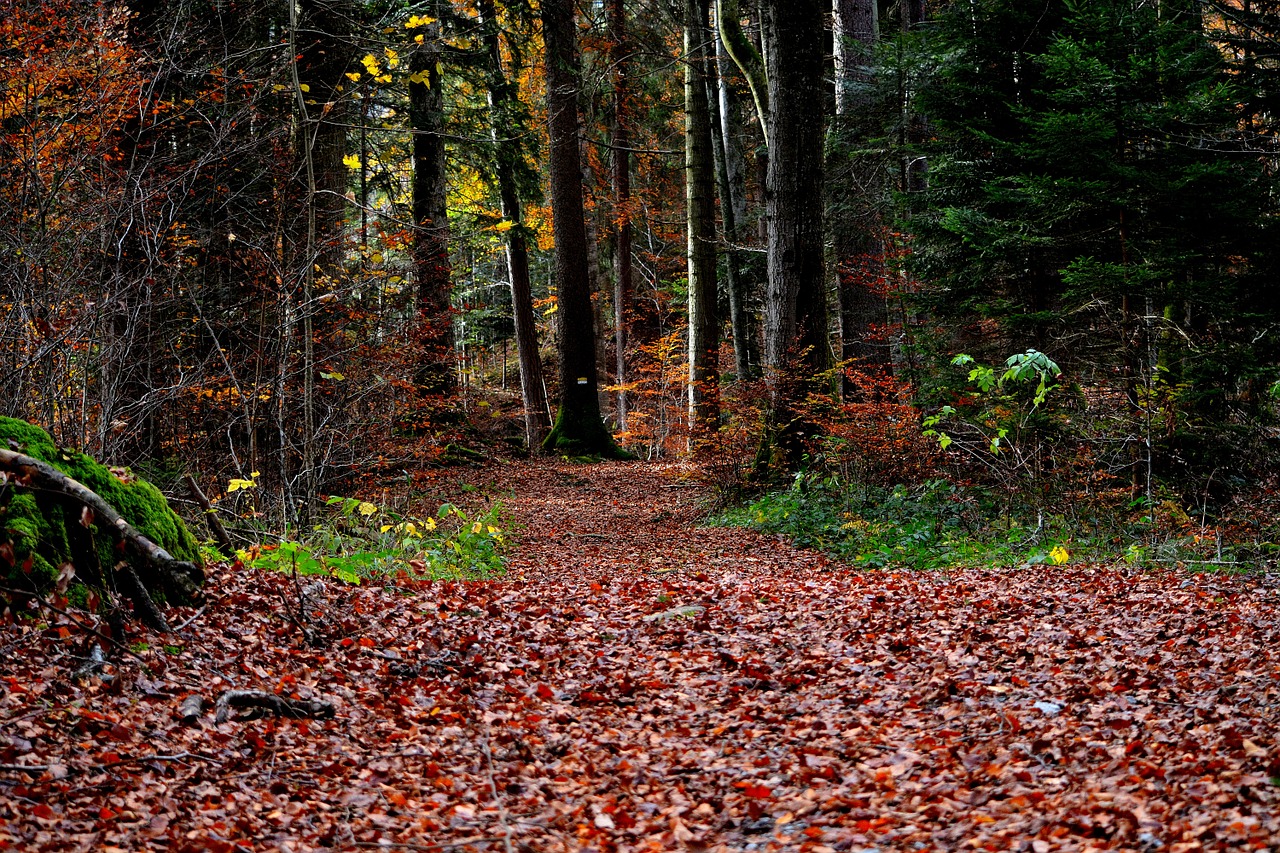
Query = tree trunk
x=579 y=427
x=796 y=304
x=740 y=280
x=796 y=346
x=620 y=139
x=435 y=376
x=700 y=231
x=504 y=106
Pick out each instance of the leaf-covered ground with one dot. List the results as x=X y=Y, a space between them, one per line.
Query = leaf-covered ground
x=640 y=683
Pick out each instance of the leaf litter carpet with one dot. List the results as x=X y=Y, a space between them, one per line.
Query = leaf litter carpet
x=639 y=683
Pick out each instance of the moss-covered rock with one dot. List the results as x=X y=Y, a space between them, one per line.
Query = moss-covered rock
x=46 y=531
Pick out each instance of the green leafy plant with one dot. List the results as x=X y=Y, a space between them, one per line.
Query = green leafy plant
x=361 y=540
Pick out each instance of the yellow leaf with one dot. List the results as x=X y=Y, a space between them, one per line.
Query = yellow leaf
x=1059 y=555
x=393 y=58
x=431 y=523
x=237 y=484
x=417 y=39
x=420 y=77
x=383 y=78
x=354 y=76
x=504 y=225
x=416 y=21
x=304 y=87
x=370 y=62
x=477 y=527
x=366 y=508
x=351 y=161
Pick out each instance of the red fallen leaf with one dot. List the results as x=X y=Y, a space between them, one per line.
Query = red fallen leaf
x=106 y=813
x=595 y=587
x=43 y=811
x=544 y=692
x=623 y=820
x=366 y=643
x=760 y=792
x=347 y=642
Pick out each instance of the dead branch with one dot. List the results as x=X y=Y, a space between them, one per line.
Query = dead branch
x=281 y=706
x=225 y=546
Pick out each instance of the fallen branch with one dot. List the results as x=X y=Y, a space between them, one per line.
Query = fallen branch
x=225 y=546
x=264 y=701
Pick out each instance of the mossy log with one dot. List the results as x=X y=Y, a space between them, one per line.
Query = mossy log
x=60 y=506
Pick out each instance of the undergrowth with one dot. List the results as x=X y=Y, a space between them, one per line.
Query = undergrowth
x=939 y=525
x=363 y=541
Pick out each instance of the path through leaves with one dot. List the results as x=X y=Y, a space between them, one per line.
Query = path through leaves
x=640 y=683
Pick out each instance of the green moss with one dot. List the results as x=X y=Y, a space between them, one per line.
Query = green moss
x=49 y=530
x=582 y=434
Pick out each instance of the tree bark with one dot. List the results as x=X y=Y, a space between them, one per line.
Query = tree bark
x=700 y=229
x=796 y=304
x=579 y=427
x=504 y=107
x=176 y=575
x=435 y=375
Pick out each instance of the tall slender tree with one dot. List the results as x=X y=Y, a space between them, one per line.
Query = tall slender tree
x=620 y=176
x=505 y=113
x=700 y=230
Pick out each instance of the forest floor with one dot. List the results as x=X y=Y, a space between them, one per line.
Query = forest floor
x=639 y=682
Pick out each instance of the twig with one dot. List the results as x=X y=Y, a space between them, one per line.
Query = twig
x=194 y=617
x=140 y=759
x=493 y=786
x=444 y=845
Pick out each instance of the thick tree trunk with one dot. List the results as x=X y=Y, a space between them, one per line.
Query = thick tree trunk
x=176 y=576
x=435 y=375
x=796 y=303
x=700 y=231
x=326 y=54
x=503 y=108
x=579 y=427
x=795 y=332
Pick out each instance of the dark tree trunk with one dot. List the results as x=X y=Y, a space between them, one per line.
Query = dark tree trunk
x=326 y=56
x=504 y=107
x=579 y=427
x=436 y=376
x=704 y=325
x=796 y=304
x=795 y=332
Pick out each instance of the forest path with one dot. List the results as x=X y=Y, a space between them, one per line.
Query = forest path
x=638 y=519
x=636 y=683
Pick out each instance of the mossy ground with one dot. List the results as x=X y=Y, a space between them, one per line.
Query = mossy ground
x=48 y=529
